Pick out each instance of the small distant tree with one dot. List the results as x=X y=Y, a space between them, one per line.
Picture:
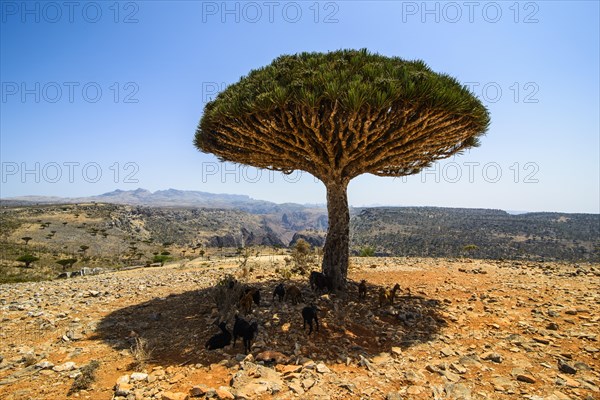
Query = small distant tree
x=469 y=249
x=161 y=258
x=367 y=251
x=83 y=248
x=26 y=239
x=301 y=255
x=28 y=259
x=66 y=262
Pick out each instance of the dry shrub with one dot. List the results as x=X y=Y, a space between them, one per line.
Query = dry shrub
x=87 y=377
x=141 y=353
x=226 y=294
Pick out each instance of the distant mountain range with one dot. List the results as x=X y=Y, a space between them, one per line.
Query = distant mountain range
x=187 y=218
x=168 y=198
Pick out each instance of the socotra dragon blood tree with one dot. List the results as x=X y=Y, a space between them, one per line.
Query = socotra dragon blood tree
x=338 y=115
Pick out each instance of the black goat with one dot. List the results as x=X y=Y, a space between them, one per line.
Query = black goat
x=255 y=294
x=362 y=289
x=319 y=282
x=308 y=314
x=279 y=292
x=294 y=294
x=244 y=330
x=219 y=340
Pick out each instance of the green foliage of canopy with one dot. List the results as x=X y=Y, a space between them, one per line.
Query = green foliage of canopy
x=353 y=91
x=356 y=79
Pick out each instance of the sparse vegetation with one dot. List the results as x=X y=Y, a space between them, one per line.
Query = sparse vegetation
x=161 y=258
x=85 y=379
x=141 y=352
x=367 y=251
x=301 y=254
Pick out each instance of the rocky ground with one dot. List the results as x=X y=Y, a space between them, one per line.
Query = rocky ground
x=458 y=329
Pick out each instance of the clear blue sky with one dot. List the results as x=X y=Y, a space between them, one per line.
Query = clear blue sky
x=103 y=95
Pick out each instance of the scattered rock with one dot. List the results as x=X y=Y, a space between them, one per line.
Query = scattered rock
x=139 y=376
x=176 y=396
x=199 y=390
x=566 y=368
x=68 y=366
x=495 y=357
x=525 y=378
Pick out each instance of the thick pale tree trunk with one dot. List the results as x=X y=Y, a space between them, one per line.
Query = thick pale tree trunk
x=335 y=253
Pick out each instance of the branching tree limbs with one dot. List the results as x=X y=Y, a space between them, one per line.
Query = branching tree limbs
x=338 y=115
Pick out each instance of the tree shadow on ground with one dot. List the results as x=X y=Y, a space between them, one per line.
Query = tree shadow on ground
x=177 y=327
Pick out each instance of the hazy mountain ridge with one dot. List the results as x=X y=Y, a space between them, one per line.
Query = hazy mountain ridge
x=164 y=198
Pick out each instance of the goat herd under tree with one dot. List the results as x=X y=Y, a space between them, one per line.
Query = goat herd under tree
x=245 y=297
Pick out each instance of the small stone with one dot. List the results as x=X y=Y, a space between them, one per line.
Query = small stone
x=568 y=381
x=458 y=391
x=322 y=368
x=413 y=377
x=525 y=378
x=552 y=326
x=174 y=396
x=560 y=396
x=501 y=383
x=198 y=390
x=451 y=376
x=223 y=393
x=458 y=368
x=415 y=390
x=123 y=389
x=434 y=369
x=139 y=376
x=541 y=340
x=44 y=364
x=579 y=366
x=566 y=368
x=288 y=369
x=296 y=388
x=308 y=383
x=495 y=357
x=351 y=387
x=68 y=366
x=272 y=356
x=393 y=396
x=447 y=352
x=176 y=378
